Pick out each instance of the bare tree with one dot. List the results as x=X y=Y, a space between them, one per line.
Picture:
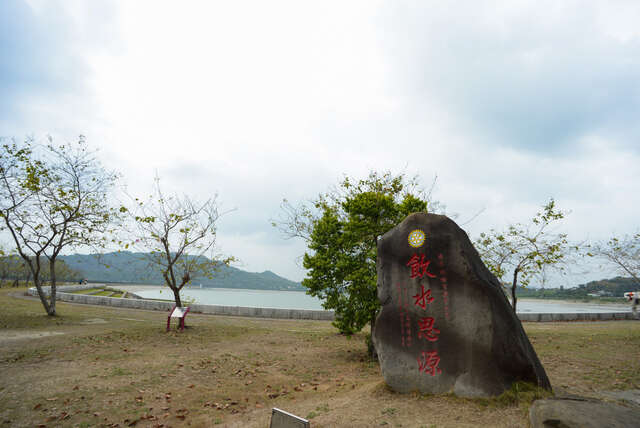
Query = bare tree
x=527 y=250
x=621 y=252
x=53 y=198
x=177 y=235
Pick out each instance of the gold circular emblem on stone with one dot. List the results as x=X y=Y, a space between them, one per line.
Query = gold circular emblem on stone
x=416 y=238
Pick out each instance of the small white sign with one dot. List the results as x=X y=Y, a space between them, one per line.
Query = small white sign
x=282 y=419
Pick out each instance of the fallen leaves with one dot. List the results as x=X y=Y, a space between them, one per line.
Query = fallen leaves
x=181 y=414
x=146 y=416
x=131 y=423
x=231 y=406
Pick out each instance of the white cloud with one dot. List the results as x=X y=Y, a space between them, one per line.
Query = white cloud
x=510 y=104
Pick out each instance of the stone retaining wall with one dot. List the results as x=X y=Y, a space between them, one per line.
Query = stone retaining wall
x=242 y=311
x=597 y=316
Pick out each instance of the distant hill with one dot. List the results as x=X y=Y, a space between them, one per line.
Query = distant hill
x=133 y=268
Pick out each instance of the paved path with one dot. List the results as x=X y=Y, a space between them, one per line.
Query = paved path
x=135 y=288
x=13 y=335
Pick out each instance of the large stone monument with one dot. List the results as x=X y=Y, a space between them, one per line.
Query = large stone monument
x=445 y=324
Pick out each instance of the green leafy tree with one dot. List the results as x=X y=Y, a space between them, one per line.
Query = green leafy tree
x=525 y=250
x=621 y=252
x=53 y=198
x=177 y=236
x=342 y=228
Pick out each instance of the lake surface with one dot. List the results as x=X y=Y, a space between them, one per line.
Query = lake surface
x=300 y=300
x=235 y=297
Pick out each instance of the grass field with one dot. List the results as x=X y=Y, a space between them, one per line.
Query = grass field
x=100 y=366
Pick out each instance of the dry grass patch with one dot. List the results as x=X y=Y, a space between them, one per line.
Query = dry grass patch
x=586 y=357
x=125 y=370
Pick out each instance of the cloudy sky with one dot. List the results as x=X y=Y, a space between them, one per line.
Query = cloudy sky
x=508 y=103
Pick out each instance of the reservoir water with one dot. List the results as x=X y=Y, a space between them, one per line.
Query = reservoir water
x=300 y=300
x=239 y=297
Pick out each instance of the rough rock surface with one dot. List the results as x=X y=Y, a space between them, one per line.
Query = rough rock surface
x=445 y=324
x=629 y=397
x=581 y=413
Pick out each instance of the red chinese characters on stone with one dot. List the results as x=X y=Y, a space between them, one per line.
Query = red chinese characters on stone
x=427 y=330
x=419 y=266
x=423 y=298
x=428 y=363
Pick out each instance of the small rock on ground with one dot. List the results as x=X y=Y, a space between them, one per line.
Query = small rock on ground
x=581 y=413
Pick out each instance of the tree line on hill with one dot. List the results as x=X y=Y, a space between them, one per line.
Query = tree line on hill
x=613 y=288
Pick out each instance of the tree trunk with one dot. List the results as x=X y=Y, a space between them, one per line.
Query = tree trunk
x=37 y=281
x=43 y=297
x=52 y=296
x=173 y=287
x=176 y=296
x=514 y=299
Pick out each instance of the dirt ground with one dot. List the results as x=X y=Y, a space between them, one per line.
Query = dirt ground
x=100 y=366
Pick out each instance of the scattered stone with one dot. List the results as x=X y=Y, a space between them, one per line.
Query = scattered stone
x=581 y=413
x=445 y=323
